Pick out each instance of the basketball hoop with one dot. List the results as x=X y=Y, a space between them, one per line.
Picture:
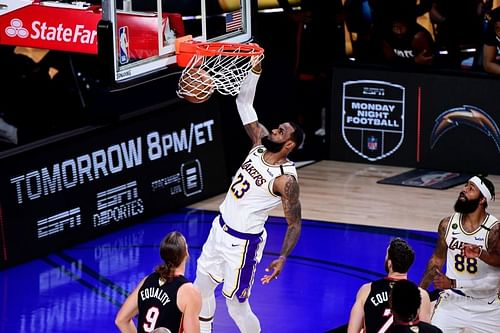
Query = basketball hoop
x=226 y=64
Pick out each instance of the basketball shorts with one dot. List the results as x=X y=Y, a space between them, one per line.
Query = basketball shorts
x=231 y=258
x=454 y=312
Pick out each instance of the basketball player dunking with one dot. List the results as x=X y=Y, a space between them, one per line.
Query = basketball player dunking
x=236 y=241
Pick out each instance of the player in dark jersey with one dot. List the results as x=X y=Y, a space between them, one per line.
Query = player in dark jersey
x=491 y=46
x=405 y=301
x=371 y=310
x=164 y=298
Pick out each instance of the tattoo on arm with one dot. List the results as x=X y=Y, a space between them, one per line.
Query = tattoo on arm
x=438 y=257
x=293 y=214
x=493 y=254
x=494 y=240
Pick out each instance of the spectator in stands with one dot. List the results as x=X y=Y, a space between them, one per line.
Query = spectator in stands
x=491 y=47
x=405 y=300
x=319 y=22
x=365 y=20
x=458 y=26
x=404 y=41
x=51 y=105
x=359 y=16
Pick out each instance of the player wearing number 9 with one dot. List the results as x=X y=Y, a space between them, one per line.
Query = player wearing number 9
x=470 y=285
x=165 y=298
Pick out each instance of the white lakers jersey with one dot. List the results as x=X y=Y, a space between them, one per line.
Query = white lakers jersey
x=250 y=196
x=462 y=268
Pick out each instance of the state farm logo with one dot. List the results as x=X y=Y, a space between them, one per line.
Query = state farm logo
x=16 y=29
x=58 y=33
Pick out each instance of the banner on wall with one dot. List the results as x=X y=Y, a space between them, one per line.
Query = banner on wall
x=74 y=189
x=373 y=117
x=427 y=120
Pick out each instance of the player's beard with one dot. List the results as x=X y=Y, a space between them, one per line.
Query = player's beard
x=466 y=206
x=273 y=147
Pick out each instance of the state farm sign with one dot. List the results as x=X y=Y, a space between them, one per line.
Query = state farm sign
x=60 y=29
x=60 y=33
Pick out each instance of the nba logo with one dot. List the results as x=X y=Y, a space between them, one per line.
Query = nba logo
x=372 y=143
x=124 y=50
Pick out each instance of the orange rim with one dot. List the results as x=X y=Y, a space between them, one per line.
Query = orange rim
x=229 y=49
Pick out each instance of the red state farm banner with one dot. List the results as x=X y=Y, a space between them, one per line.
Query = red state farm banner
x=75 y=29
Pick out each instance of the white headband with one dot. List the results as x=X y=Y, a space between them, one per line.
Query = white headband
x=484 y=190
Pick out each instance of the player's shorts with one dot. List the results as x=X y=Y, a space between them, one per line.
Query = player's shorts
x=231 y=257
x=454 y=312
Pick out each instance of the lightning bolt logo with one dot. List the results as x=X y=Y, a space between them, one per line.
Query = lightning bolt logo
x=465 y=115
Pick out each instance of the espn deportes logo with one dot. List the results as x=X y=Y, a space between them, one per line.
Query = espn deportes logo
x=44 y=31
x=117 y=204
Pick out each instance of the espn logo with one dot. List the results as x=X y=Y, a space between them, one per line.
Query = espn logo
x=58 y=223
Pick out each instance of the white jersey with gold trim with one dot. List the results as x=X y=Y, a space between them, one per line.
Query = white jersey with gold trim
x=461 y=268
x=250 y=196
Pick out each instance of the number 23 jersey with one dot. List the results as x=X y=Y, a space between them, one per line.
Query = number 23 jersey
x=250 y=196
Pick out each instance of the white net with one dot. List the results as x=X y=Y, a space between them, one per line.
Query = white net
x=218 y=66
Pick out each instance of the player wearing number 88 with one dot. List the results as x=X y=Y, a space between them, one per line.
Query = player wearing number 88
x=165 y=298
x=470 y=285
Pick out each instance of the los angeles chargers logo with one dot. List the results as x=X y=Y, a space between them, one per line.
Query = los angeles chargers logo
x=465 y=115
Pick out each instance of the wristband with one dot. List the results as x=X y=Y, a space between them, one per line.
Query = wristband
x=256 y=72
x=282 y=257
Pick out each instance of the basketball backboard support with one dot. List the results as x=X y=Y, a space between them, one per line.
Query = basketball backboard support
x=138 y=37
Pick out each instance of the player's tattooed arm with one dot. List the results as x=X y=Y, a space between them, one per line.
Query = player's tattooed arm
x=492 y=256
x=438 y=257
x=288 y=188
x=293 y=214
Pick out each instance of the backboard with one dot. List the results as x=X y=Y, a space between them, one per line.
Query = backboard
x=138 y=36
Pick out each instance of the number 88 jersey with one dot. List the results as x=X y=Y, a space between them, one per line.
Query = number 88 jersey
x=461 y=268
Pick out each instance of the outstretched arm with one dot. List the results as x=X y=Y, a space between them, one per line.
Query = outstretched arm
x=288 y=187
x=244 y=103
x=438 y=257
